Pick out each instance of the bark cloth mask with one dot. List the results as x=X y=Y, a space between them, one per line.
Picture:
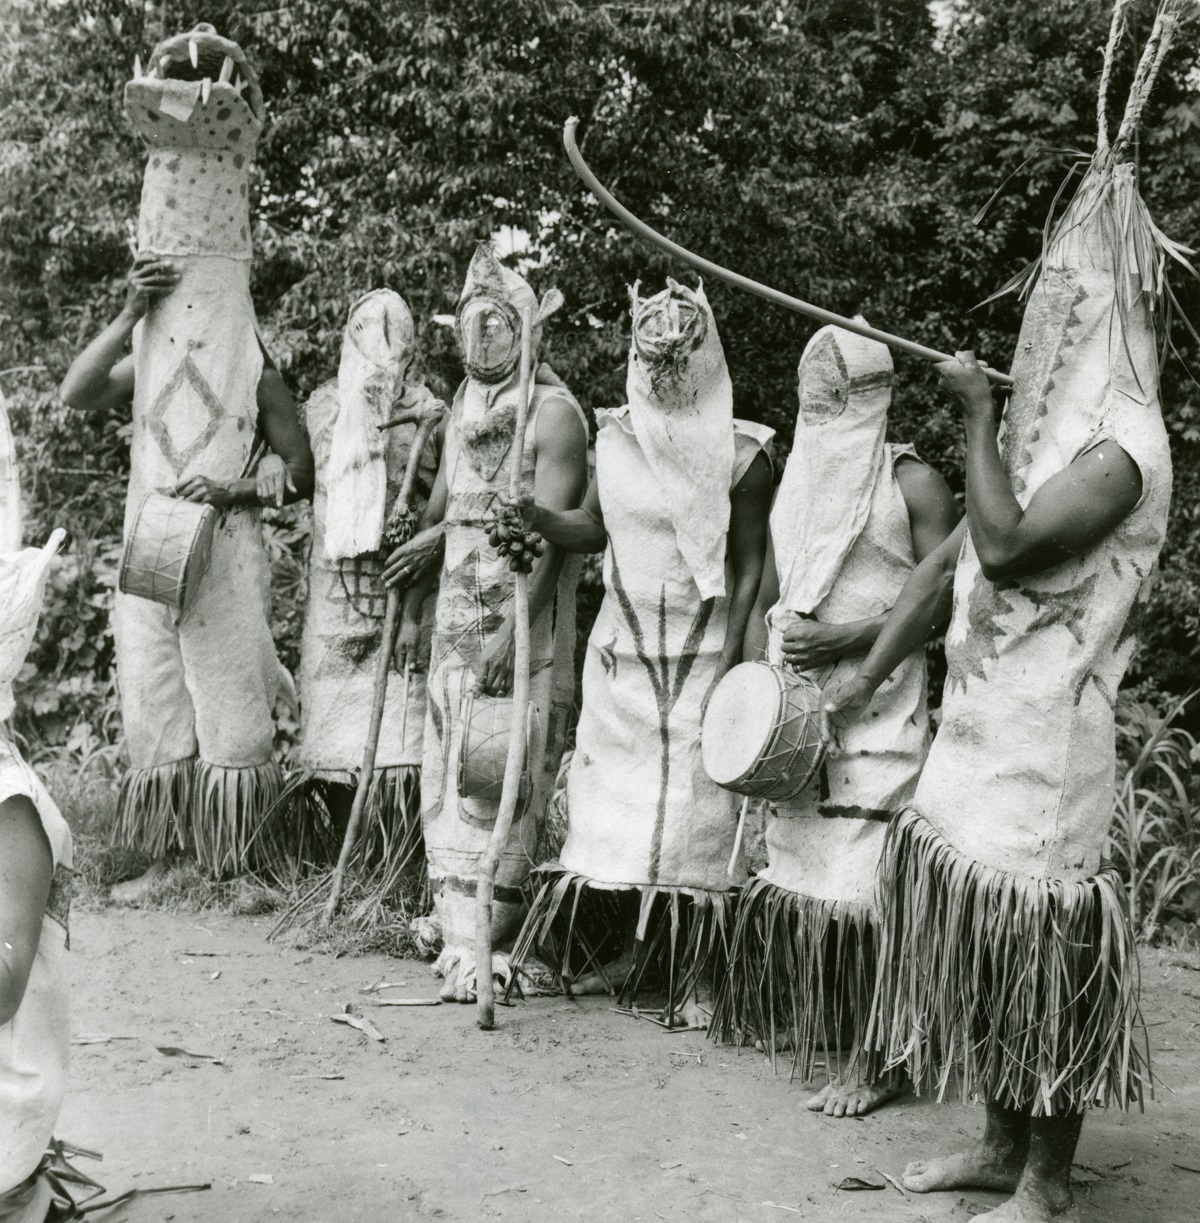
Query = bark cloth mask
x=844 y=388
x=681 y=407
x=22 y=589
x=377 y=351
x=488 y=322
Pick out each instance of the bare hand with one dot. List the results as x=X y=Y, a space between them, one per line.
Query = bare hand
x=524 y=504
x=411 y=559
x=272 y=481
x=149 y=279
x=810 y=643
x=495 y=667
x=840 y=704
x=407 y=652
x=205 y=491
x=964 y=378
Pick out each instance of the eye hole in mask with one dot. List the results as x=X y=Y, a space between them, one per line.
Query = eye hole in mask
x=666 y=332
x=489 y=338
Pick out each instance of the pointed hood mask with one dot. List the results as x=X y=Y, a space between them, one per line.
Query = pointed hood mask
x=844 y=387
x=377 y=350
x=681 y=409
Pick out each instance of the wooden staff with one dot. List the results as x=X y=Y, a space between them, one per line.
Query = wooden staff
x=383 y=665
x=515 y=763
x=744 y=282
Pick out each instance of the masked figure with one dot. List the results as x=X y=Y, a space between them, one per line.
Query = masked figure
x=360 y=466
x=473 y=628
x=853 y=515
x=679 y=508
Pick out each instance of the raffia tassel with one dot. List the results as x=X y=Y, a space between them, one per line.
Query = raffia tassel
x=577 y=926
x=1024 y=990
x=801 y=974
x=228 y=805
x=154 y=807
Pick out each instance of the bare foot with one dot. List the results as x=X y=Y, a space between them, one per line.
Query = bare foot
x=782 y=1042
x=457 y=966
x=843 y=1099
x=694 y=1013
x=1038 y=1203
x=133 y=893
x=980 y=1168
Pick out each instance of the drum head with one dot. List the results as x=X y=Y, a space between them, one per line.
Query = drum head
x=740 y=721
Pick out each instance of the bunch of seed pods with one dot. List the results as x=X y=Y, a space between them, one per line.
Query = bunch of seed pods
x=509 y=535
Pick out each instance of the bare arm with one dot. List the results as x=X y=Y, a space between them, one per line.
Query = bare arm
x=754 y=645
x=26 y=868
x=578 y=530
x=932 y=516
x=559 y=482
x=1070 y=513
x=101 y=377
x=749 y=513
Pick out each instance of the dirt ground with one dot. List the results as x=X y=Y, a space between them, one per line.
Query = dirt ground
x=566 y=1111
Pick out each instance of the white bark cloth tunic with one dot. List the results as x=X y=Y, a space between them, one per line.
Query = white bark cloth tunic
x=475 y=595
x=1010 y=954
x=204 y=685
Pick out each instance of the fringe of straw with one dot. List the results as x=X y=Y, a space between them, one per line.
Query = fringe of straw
x=154 y=808
x=801 y=973
x=1024 y=990
x=302 y=832
x=228 y=807
x=576 y=926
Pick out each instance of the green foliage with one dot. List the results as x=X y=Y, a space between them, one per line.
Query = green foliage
x=1155 y=835
x=838 y=150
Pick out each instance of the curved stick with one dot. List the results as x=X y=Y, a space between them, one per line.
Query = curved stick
x=744 y=282
x=485 y=887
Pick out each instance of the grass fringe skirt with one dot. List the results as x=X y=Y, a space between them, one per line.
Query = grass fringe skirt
x=228 y=808
x=154 y=808
x=577 y=926
x=304 y=829
x=1023 y=990
x=803 y=970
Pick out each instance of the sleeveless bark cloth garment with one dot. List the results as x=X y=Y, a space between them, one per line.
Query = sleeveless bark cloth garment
x=806 y=940
x=1008 y=955
x=643 y=817
x=347 y=601
x=475 y=594
x=197 y=694
x=35 y=1043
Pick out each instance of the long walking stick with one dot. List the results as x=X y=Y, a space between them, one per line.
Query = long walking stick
x=514 y=764
x=400 y=528
x=593 y=184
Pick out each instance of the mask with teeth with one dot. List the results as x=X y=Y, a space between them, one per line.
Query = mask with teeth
x=199 y=108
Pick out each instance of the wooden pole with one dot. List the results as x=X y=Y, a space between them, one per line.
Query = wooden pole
x=383 y=665
x=514 y=764
x=744 y=282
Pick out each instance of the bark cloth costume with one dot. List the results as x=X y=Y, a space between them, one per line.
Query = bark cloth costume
x=475 y=595
x=1008 y=957
x=645 y=823
x=198 y=692
x=35 y=1043
x=806 y=941
x=359 y=471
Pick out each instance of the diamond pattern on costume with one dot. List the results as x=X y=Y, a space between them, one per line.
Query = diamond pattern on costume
x=361 y=586
x=185 y=415
x=470 y=611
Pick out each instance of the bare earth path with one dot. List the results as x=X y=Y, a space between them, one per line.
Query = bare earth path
x=568 y=1111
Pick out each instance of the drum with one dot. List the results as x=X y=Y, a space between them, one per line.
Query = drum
x=168 y=550
x=761 y=732
x=487 y=725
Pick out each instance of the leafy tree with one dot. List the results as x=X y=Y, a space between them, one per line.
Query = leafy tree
x=837 y=150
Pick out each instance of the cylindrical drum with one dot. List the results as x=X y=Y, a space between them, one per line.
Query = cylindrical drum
x=486 y=723
x=168 y=550
x=761 y=732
